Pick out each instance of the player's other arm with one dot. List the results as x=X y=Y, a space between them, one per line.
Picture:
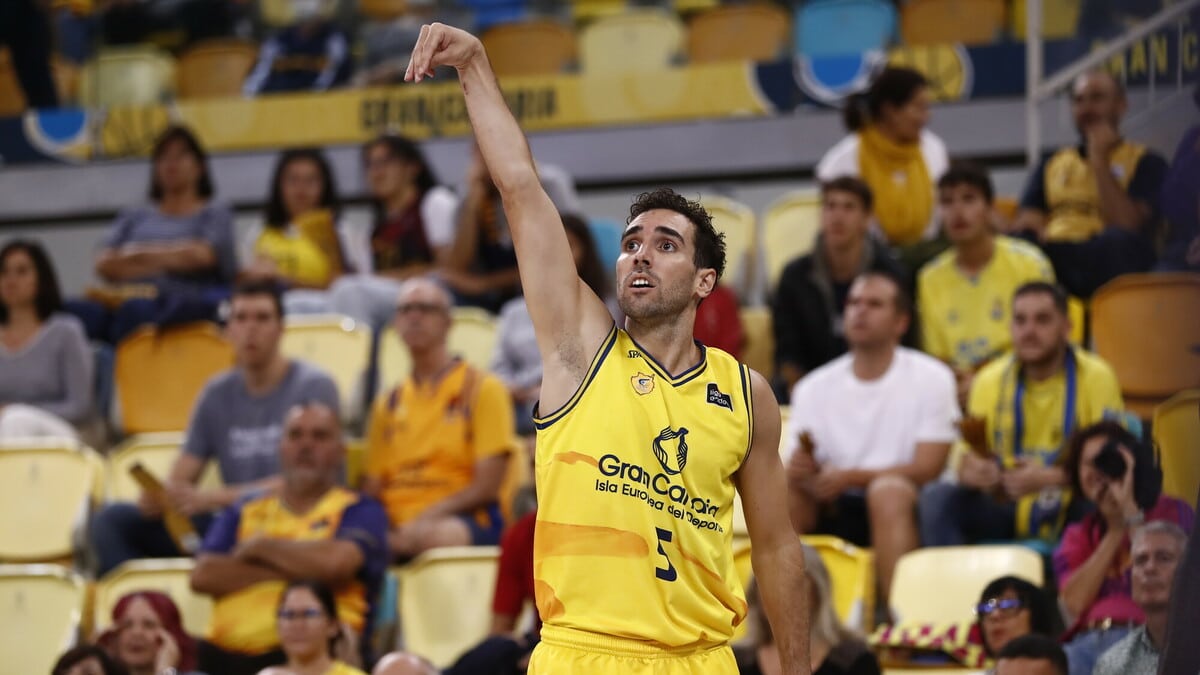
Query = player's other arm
x=775 y=552
x=569 y=320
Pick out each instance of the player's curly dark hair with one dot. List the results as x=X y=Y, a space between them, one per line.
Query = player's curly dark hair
x=709 y=243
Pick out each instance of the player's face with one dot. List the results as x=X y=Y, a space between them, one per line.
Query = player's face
x=1095 y=99
x=18 y=279
x=1039 y=330
x=844 y=220
x=1155 y=557
x=422 y=317
x=255 y=329
x=656 y=273
x=872 y=318
x=964 y=213
x=311 y=448
x=301 y=185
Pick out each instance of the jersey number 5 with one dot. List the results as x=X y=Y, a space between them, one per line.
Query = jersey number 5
x=669 y=573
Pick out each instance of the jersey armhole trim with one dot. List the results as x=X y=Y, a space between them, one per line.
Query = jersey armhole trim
x=748 y=397
x=542 y=422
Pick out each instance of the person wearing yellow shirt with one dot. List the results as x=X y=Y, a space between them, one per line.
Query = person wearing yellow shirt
x=310 y=633
x=1094 y=206
x=964 y=294
x=1009 y=482
x=438 y=443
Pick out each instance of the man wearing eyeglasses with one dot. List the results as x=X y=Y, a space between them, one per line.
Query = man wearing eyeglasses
x=1156 y=550
x=438 y=442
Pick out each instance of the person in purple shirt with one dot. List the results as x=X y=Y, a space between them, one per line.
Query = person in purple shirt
x=1180 y=204
x=1092 y=562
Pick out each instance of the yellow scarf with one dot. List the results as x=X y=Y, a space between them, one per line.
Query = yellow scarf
x=899 y=183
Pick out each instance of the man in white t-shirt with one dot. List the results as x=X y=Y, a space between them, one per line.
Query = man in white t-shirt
x=881 y=420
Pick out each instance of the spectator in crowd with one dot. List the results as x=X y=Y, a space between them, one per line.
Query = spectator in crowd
x=25 y=30
x=877 y=424
x=964 y=294
x=147 y=635
x=1009 y=608
x=310 y=632
x=807 y=310
x=1032 y=655
x=45 y=361
x=516 y=360
x=302 y=245
x=1157 y=550
x=1120 y=478
x=438 y=442
x=718 y=323
x=313 y=54
x=890 y=148
x=1010 y=483
x=481 y=267
x=172 y=23
x=170 y=261
x=309 y=529
x=1180 y=654
x=237 y=422
x=87 y=660
x=1094 y=206
x=834 y=648
x=1180 y=203
x=412 y=231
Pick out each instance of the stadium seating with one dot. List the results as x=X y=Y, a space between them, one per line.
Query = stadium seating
x=759 y=352
x=47 y=491
x=790 y=228
x=472 y=336
x=607 y=235
x=535 y=47
x=215 y=68
x=753 y=32
x=1177 y=434
x=446 y=601
x=165 y=575
x=942 y=585
x=1162 y=356
x=184 y=357
x=127 y=76
x=1059 y=18
x=843 y=27
x=740 y=226
x=490 y=13
x=383 y=10
x=968 y=22
x=583 y=11
x=337 y=345
x=157 y=453
x=41 y=608
x=637 y=40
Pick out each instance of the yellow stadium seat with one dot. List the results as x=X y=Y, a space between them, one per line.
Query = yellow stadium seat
x=127 y=76
x=446 y=601
x=41 y=609
x=356 y=459
x=384 y=10
x=215 y=68
x=472 y=336
x=156 y=452
x=636 y=40
x=1077 y=312
x=759 y=352
x=968 y=22
x=740 y=226
x=337 y=345
x=535 y=47
x=941 y=585
x=1060 y=19
x=165 y=575
x=1177 y=433
x=753 y=32
x=160 y=373
x=282 y=13
x=587 y=10
x=790 y=228
x=46 y=493
x=1162 y=356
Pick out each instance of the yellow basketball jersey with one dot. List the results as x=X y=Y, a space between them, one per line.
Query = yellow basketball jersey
x=635 y=499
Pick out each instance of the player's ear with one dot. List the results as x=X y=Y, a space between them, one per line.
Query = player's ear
x=706 y=281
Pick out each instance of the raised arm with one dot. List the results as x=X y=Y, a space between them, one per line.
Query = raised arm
x=569 y=320
x=775 y=552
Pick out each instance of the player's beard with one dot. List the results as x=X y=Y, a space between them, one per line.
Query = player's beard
x=670 y=301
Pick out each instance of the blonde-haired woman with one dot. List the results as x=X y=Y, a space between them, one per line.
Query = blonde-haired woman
x=834 y=649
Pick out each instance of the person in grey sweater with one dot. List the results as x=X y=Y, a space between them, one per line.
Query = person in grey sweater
x=45 y=362
x=237 y=422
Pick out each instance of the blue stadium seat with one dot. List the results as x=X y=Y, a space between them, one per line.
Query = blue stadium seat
x=842 y=27
x=607 y=234
x=488 y=13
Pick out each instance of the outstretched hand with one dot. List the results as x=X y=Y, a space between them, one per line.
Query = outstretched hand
x=441 y=45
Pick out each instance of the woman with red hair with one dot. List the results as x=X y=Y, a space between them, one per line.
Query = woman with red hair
x=147 y=635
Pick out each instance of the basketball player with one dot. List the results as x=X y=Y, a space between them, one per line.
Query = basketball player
x=643 y=433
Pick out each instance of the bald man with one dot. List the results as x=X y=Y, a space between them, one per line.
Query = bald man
x=1093 y=206
x=438 y=442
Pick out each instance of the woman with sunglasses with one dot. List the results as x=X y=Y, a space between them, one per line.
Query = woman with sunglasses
x=309 y=632
x=1009 y=608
